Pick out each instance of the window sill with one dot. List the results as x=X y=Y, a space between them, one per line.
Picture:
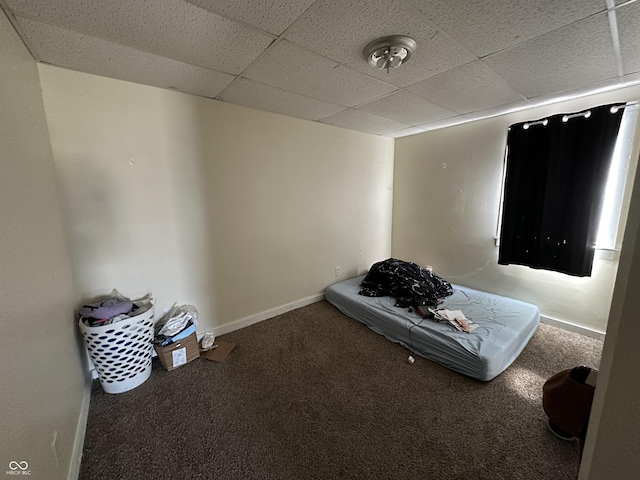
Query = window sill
x=609 y=254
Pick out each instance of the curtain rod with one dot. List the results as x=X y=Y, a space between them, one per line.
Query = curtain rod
x=585 y=114
x=615 y=108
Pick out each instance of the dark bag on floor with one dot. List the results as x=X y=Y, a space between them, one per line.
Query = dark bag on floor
x=566 y=400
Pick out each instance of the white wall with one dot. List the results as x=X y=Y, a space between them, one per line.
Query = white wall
x=236 y=211
x=43 y=376
x=445 y=214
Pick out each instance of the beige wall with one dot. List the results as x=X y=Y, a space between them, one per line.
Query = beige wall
x=611 y=448
x=43 y=379
x=445 y=214
x=236 y=211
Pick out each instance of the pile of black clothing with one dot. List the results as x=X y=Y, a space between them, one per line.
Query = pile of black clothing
x=410 y=284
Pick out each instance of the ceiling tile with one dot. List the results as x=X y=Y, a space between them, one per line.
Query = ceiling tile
x=274 y=16
x=565 y=59
x=88 y=54
x=363 y=122
x=465 y=89
x=407 y=108
x=490 y=26
x=290 y=67
x=170 y=28
x=629 y=33
x=341 y=29
x=264 y=97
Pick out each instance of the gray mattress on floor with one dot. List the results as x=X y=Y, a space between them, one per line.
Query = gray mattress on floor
x=504 y=328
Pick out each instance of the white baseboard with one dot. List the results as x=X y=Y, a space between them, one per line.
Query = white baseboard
x=81 y=430
x=573 y=327
x=259 y=317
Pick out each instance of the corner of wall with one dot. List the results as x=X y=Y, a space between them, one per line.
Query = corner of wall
x=81 y=429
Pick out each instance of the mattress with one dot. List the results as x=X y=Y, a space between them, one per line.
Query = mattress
x=505 y=326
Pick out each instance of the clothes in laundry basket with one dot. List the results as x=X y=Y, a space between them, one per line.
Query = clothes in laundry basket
x=115 y=307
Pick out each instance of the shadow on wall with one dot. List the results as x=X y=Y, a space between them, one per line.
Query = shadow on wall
x=86 y=190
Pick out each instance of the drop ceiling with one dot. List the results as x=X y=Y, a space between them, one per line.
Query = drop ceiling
x=303 y=58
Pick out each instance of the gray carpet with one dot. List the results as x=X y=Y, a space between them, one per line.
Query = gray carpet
x=312 y=394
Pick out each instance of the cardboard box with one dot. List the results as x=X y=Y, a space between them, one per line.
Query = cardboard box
x=179 y=353
x=219 y=352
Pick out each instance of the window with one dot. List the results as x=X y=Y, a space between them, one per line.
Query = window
x=554 y=188
x=614 y=192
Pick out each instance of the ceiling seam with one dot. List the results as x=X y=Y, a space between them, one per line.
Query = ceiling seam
x=615 y=38
x=277 y=40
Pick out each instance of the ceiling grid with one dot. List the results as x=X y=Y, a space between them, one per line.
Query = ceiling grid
x=304 y=58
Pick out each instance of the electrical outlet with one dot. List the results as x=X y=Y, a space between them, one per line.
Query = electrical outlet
x=338 y=271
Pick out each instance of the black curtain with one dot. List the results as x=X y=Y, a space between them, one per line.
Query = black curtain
x=554 y=188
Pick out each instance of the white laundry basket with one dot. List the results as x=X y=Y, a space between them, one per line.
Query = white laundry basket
x=121 y=351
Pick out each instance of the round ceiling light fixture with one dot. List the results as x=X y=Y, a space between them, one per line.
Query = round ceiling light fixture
x=389 y=52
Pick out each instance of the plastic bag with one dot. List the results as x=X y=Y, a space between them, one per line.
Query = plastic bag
x=176 y=319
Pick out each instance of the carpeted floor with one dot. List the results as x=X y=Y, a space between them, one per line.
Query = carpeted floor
x=312 y=394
